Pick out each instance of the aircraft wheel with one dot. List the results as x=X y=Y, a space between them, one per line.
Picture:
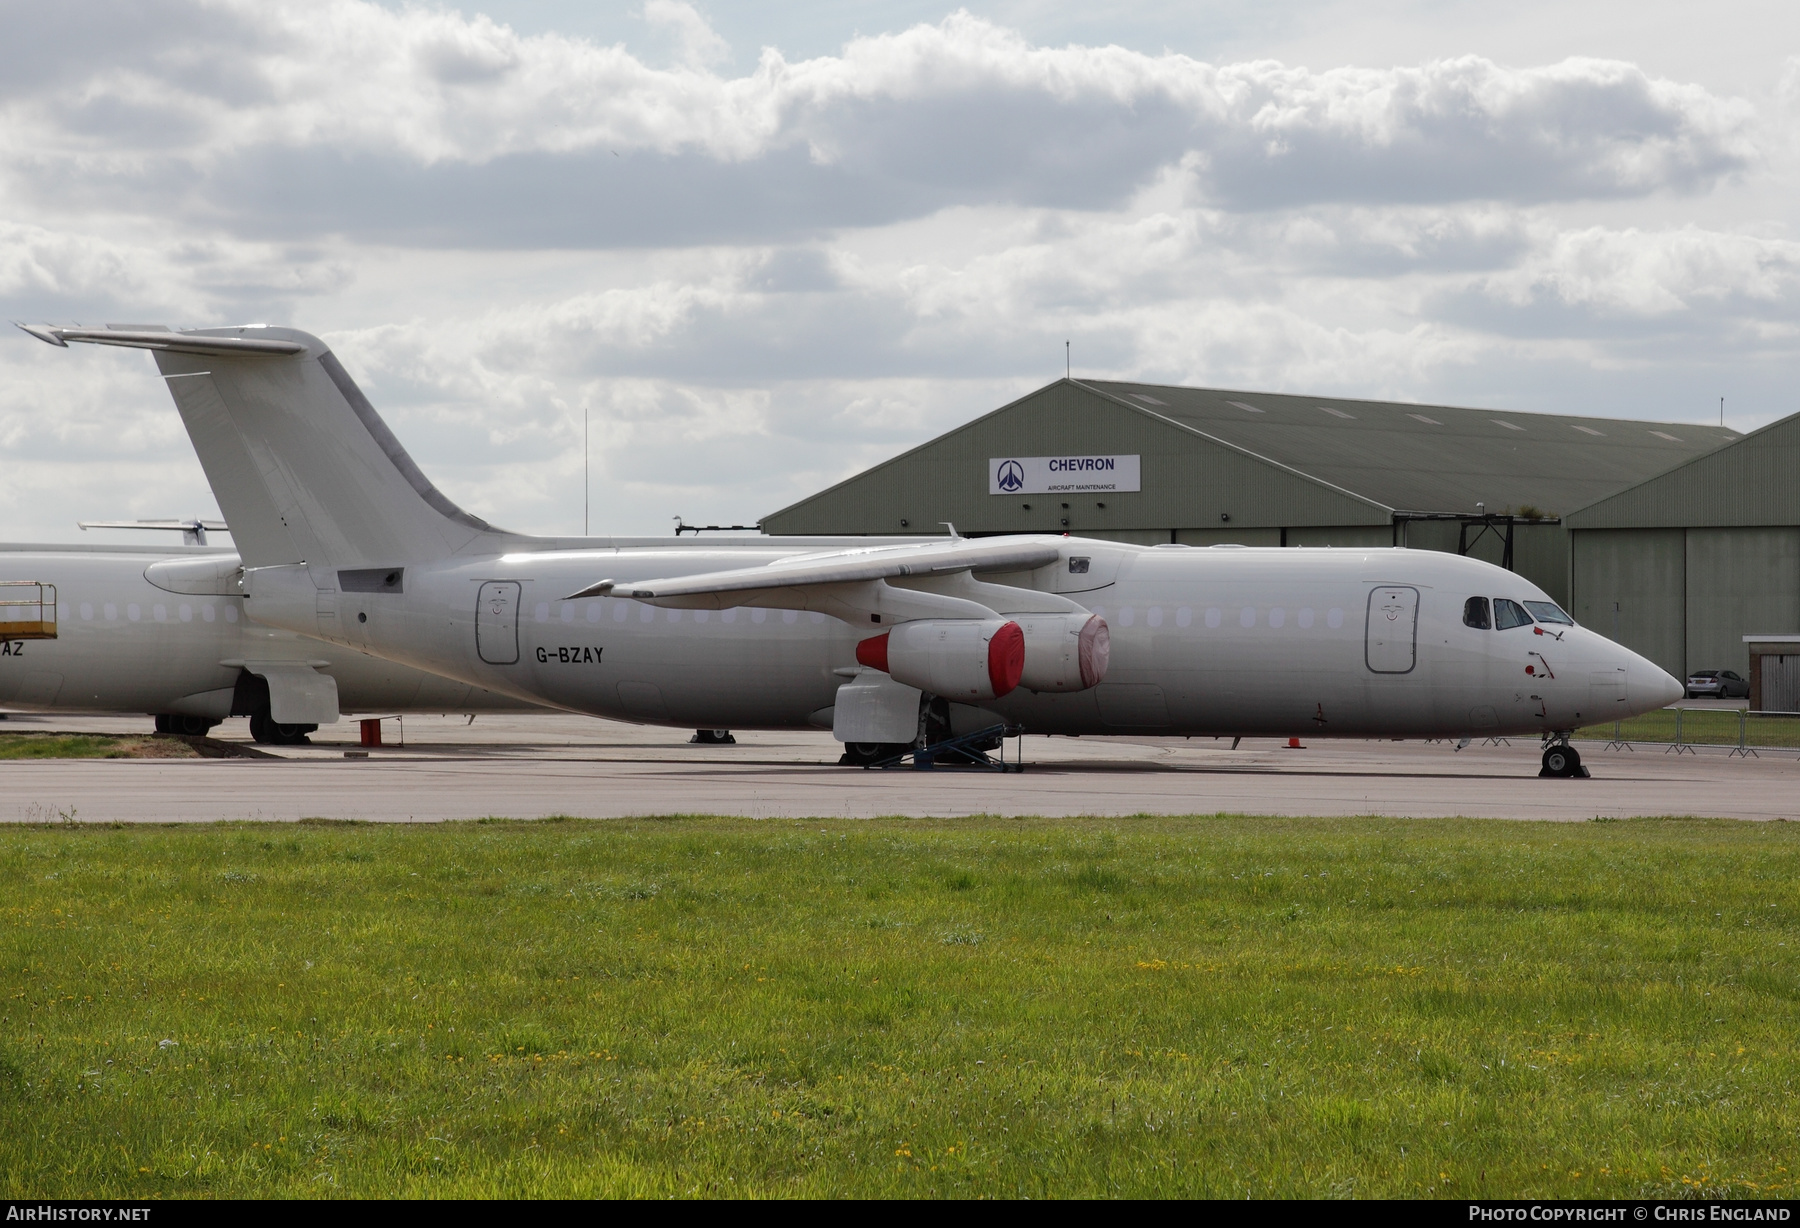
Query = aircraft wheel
x=187 y=726
x=271 y=733
x=1561 y=761
x=862 y=754
x=712 y=737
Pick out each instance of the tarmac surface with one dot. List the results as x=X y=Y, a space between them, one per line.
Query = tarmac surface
x=532 y=766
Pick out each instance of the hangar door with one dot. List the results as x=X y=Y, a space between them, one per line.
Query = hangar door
x=497 y=622
x=1781 y=683
x=1393 y=629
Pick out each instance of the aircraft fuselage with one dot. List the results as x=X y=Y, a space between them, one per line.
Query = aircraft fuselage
x=1221 y=641
x=125 y=645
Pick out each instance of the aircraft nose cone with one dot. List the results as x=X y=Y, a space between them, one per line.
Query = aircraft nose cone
x=1665 y=688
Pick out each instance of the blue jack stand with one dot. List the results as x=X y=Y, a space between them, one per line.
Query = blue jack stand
x=961 y=752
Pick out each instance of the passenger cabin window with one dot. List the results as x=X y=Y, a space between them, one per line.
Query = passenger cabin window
x=1475 y=613
x=1549 y=612
x=1509 y=614
x=1078 y=567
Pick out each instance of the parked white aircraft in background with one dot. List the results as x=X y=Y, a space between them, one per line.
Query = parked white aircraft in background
x=161 y=630
x=344 y=538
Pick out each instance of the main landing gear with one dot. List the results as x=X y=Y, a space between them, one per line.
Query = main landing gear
x=712 y=737
x=1562 y=760
x=868 y=754
x=271 y=732
x=187 y=726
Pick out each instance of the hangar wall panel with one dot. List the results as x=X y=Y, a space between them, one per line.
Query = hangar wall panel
x=1137 y=537
x=1541 y=555
x=1346 y=537
x=1749 y=482
x=1736 y=509
x=1540 y=552
x=1228 y=537
x=1743 y=581
x=1438 y=535
x=1644 y=572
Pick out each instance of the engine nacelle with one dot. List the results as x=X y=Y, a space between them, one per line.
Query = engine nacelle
x=1064 y=652
x=959 y=658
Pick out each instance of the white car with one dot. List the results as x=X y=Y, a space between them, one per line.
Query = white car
x=1717 y=684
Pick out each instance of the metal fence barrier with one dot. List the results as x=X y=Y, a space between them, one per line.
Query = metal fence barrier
x=1680 y=730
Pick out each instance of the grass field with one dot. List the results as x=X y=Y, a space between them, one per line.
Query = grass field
x=1703 y=727
x=92 y=746
x=997 y=1007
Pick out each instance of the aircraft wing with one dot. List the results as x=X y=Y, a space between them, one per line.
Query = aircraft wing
x=844 y=567
x=163 y=339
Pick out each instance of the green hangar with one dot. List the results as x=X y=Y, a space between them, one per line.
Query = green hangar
x=1199 y=466
x=1699 y=567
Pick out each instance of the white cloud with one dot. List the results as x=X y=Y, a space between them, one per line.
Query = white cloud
x=759 y=283
x=421 y=125
x=699 y=45
x=1657 y=274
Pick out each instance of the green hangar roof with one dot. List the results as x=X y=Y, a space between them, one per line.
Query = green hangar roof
x=1753 y=481
x=1205 y=456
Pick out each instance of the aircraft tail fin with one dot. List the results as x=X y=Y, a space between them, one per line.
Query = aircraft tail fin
x=303 y=467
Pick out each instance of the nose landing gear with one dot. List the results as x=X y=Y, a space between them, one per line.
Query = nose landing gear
x=1562 y=760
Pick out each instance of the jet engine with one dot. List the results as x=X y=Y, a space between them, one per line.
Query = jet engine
x=964 y=659
x=1064 y=652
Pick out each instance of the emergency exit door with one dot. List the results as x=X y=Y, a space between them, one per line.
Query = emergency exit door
x=497 y=622
x=1393 y=630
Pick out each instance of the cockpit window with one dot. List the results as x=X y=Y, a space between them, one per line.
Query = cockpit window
x=1549 y=612
x=1509 y=614
x=1475 y=613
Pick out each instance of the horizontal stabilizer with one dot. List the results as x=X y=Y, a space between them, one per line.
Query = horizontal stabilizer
x=165 y=339
x=193 y=532
x=185 y=526
x=846 y=567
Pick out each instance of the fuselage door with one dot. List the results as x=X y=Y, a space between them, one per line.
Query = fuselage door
x=497 y=622
x=1393 y=629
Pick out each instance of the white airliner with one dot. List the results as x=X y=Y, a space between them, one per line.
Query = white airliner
x=162 y=631
x=889 y=645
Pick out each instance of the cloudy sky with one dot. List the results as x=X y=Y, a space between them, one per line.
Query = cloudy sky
x=764 y=249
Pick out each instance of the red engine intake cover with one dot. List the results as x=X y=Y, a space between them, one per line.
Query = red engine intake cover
x=1006 y=658
x=872 y=653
